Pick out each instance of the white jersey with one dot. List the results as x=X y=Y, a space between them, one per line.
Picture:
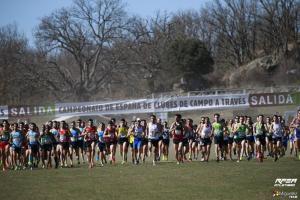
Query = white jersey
x=277 y=129
x=206 y=131
x=153 y=131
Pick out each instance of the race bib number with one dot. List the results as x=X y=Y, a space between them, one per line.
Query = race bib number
x=177 y=132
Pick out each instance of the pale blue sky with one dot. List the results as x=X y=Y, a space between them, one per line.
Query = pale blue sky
x=26 y=13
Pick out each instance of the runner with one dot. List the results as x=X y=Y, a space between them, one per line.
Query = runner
x=166 y=141
x=152 y=135
x=259 y=129
x=131 y=139
x=90 y=139
x=33 y=145
x=199 y=140
x=75 y=133
x=56 y=147
x=123 y=140
x=177 y=131
x=269 y=136
x=205 y=133
x=81 y=144
x=217 y=129
x=145 y=141
x=16 y=140
x=188 y=131
x=277 y=130
x=110 y=138
x=229 y=130
x=160 y=137
x=235 y=135
x=285 y=138
x=138 y=132
x=101 y=144
x=249 y=139
x=296 y=125
x=188 y=139
x=46 y=139
x=4 y=144
x=240 y=136
x=225 y=142
x=292 y=140
x=64 y=141
x=24 y=149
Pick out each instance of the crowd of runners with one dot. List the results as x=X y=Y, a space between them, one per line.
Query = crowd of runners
x=59 y=144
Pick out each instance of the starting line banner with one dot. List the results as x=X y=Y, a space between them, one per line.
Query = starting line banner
x=181 y=103
x=155 y=105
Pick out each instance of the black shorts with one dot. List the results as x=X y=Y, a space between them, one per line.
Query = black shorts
x=154 y=142
x=166 y=141
x=121 y=140
x=225 y=142
x=46 y=147
x=261 y=139
x=102 y=146
x=194 y=140
x=176 y=141
x=108 y=143
x=80 y=144
x=33 y=147
x=185 y=142
x=160 y=138
x=270 y=138
x=88 y=144
x=145 y=141
x=239 y=139
x=75 y=144
x=54 y=144
x=276 y=139
x=250 y=138
x=205 y=141
x=131 y=145
x=65 y=145
x=230 y=140
x=218 y=139
x=16 y=149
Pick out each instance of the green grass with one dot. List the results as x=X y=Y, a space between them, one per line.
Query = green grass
x=212 y=180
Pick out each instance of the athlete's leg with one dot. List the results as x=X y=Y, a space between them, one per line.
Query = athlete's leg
x=93 y=146
x=176 y=152
x=208 y=146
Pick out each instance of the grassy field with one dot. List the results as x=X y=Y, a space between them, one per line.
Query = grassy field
x=195 y=180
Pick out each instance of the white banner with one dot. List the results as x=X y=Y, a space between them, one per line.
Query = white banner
x=172 y=104
x=3 y=112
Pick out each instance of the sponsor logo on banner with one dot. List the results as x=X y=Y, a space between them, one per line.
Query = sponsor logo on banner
x=3 y=112
x=272 y=99
x=160 y=105
x=25 y=111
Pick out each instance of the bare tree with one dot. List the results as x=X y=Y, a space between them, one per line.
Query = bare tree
x=87 y=31
x=279 y=24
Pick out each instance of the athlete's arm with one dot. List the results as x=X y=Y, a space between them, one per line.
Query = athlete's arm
x=293 y=124
x=147 y=130
x=172 y=127
x=212 y=131
x=10 y=138
x=254 y=127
